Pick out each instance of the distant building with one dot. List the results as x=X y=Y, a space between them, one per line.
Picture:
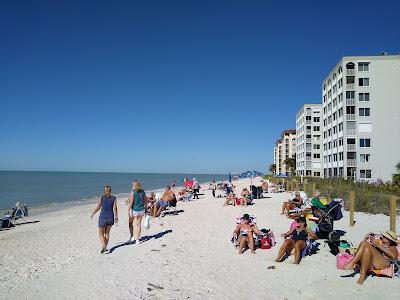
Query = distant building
x=361 y=118
x=284 y=148
x=309 y=140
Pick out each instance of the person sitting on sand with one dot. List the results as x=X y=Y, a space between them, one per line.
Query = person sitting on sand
x=374 y=252
x=264 y=186
x=108 y=214
x=296 y=239
x=161 y=205
x=151 y=201
x=244 y=231
x=246 y=198
x=136 y=209
x=231 y=198
x=297 y=201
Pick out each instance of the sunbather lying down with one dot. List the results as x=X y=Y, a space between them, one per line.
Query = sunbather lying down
x=375 y=252
x=296 y=239
x=244 y=232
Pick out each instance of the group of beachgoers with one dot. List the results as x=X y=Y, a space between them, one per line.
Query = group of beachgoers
x=139 y=205
x=376 y=253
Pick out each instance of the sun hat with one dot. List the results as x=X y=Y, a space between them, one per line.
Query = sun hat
x=390 y=235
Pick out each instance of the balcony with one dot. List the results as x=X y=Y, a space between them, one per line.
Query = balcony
x=350 y=117
x=308 y=131
x=308 y=149
x=351 y=147
x=351 y=131
x=351 y=162
x=351 y=102
x=308 y=122
x=350 y=72
x=350 y=86
x=308 y=140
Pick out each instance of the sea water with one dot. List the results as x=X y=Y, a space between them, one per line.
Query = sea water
x=38 y=188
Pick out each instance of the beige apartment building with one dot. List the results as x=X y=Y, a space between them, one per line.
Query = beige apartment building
x=309 y=140
x=361 y=117
x=284 y=148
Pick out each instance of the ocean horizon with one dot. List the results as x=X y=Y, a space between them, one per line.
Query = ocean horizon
x=40 y=188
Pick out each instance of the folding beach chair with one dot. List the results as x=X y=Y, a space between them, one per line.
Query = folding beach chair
x=21 y=212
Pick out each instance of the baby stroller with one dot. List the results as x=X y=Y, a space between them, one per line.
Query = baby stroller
x=256 y=192
x=326 y=217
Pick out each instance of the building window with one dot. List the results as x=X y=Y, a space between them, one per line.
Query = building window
x=365 y=143
x=316 y=128
x=334 y=129
x=340 y=70
x=340 y=127
x=316 y=119
x=363 y=96
x=340 y=112
x=340 y=83
x=364 y=112
x=341 y=142
x=350 y=95
x=317 y=155
x=363 y=81
x=334 y=116
x=365 y=158
x=340 y=97
x=364 y=174
x=316 y=146
x=340 y=156
x=334 y=157
x=363 y=66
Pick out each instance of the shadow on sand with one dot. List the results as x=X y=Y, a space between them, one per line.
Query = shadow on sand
x=142 y=240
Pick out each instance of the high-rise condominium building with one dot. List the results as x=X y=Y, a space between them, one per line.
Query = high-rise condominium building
x=284 y=148
x=361 y=118
x=309 y=140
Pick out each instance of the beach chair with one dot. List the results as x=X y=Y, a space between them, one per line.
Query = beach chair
x=21 y=212
x=234 y=239
x=187 y=197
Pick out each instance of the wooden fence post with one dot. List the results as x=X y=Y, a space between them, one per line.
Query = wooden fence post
x=313 y=189
x=352 y=200
x=291 y=184
x=297 y=185
x=393 y=213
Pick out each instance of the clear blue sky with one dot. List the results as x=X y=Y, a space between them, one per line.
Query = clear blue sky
x=169 y=86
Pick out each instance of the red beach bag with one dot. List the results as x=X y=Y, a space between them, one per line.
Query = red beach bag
x=266 y=242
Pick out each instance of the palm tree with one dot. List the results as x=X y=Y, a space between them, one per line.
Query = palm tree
x=290 y=164
x=272 y=168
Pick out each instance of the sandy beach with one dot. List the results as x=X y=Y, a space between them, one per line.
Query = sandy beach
x=183 y=256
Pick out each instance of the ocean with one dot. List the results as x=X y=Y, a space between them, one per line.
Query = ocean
x=38 y=188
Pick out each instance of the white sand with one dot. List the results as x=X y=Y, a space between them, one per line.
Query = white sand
x=192 y=258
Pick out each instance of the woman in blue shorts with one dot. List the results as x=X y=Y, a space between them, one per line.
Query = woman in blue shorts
x=108 y=214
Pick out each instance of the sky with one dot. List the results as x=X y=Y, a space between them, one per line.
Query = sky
x=169 y=86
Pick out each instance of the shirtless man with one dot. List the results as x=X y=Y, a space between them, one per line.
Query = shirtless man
x=163 y=203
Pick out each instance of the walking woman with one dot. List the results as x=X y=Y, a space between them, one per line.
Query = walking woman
x=136 y=210
x=108 y=214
